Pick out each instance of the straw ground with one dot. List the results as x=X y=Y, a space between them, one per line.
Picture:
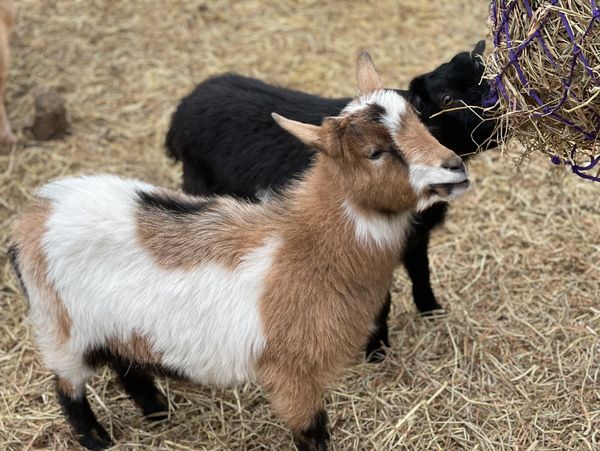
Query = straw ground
x=514 y=365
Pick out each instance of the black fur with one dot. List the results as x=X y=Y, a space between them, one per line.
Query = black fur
x=102 y=356
x=13 y=257
x=316 y=437
x=379 y=339
x=170 y=204
x=229 y=144
x=83 y=422
x=139 y=385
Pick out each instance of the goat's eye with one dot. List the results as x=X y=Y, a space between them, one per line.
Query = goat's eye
x=447 y=100
x=374 y=155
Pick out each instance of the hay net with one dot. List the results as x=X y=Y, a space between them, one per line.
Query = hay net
x=544 y=73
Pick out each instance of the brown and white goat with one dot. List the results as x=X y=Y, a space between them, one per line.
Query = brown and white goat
x=220 y=291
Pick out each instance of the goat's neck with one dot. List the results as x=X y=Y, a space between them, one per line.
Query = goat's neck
x=334 y=279
x=322 y=212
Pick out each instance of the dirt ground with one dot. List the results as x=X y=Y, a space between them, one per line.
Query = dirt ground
x=515 y=363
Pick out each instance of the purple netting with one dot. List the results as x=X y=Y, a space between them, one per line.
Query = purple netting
x=502 y=11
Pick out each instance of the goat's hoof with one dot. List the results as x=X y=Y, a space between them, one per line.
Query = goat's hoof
x=376 y=355
x=156 y=409
x=97 y=439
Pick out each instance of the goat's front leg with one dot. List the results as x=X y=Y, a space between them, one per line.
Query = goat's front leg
x=379 y=338
x=298 y=400
x=416 y=261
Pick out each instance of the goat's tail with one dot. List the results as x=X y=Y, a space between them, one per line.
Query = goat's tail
x=13 y=257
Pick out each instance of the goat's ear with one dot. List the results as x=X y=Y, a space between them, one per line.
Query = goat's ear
x=478 y=50
x=312 y=135
x=416 y=92
x=366 y=76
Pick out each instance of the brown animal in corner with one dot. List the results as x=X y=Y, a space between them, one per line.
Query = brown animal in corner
x=7 y=21
x=221 y=291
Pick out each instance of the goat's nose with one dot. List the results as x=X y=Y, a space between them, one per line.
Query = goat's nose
x=454 y=164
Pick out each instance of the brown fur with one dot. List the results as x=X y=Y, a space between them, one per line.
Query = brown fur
x=419 y=146
x=326 y=288
x=137 y=348
x=28 y=234
x=7 y=18
x=224 y=234
x=366 y=75
x=321 y=299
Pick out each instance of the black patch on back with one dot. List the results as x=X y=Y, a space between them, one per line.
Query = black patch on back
x=13 y=257
x=171 y=204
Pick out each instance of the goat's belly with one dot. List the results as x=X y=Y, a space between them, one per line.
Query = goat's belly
x=202 y=323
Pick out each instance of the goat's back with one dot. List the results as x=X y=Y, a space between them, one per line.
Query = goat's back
x=224 y=128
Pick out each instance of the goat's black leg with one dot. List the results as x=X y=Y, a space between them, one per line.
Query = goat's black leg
x=316 y=437
x=81 y=417
x=416 y=261
x=379 y=339
x=139 y=385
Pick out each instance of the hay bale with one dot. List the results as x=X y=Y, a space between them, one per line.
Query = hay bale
x=545 y=77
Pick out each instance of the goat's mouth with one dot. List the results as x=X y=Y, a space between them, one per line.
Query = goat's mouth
x=450 y=189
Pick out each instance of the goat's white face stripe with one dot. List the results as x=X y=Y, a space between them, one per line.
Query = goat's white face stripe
x=393 y=103
x=111 y=287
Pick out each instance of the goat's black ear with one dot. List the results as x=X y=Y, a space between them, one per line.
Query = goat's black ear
x=417 y=92
x=478 y=49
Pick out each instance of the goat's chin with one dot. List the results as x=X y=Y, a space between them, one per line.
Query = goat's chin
x=450 y=190
x=458 y=190
x=444 y=192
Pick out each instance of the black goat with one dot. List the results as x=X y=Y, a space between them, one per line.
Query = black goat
x=228 y=143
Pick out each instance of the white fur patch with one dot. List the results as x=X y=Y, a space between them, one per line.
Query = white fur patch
x=394 y=104
x=379 y=230
x=204 y=322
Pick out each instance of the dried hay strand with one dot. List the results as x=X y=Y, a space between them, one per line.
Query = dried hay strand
x=514 y=366
x=545 y=77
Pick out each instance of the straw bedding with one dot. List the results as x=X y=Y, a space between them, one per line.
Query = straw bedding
x=513 y=366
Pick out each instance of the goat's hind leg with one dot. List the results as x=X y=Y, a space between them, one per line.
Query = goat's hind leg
x=139 y=385
x=71 y=396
